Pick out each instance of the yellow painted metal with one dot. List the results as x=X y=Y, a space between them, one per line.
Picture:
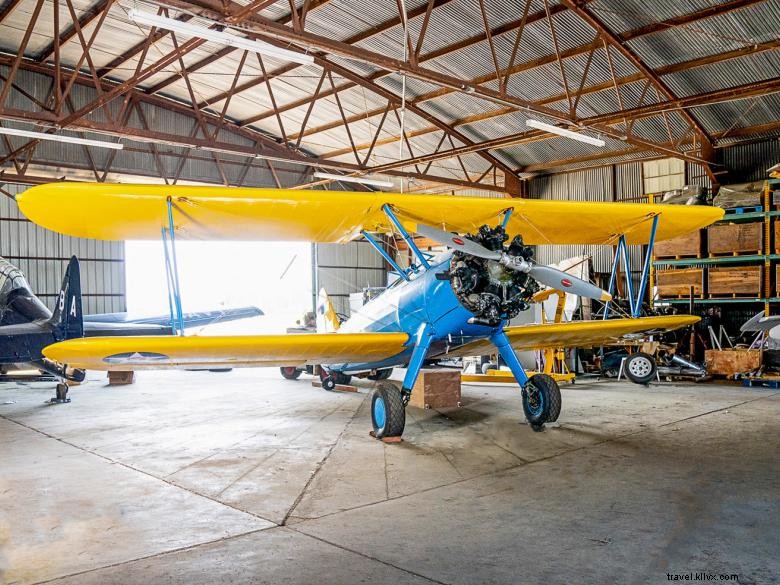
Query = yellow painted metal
x=95 y=353
x=122 y=212
x=577 y=333
x=506 y=377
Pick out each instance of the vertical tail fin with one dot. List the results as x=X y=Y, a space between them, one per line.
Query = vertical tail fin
x=327 y=320
x=68 y=319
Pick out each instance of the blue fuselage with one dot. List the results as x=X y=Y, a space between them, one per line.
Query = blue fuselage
x=406 y=306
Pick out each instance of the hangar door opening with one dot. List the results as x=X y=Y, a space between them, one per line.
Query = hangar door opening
x=274 y=276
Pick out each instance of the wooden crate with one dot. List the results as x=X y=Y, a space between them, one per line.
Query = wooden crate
x=728 y=362
x=735 y=239
x=777 y=236
x=685 y=246
x=436 y=388
x=734 y=281
x=677 y=283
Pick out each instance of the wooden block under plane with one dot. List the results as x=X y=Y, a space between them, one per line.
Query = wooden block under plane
x=436 y=389
x=121 y=378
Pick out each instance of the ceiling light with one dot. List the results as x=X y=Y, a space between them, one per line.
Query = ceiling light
x=60 y=138
x=223 y=38
x=563 y=132
x=349 y=179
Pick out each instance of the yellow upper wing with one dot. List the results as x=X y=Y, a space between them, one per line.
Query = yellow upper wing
x=577 y=333
x=134 y=353
x=120 y=212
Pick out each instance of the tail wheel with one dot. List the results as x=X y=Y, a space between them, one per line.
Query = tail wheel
x=388 y=415
x=640 y=368
x=331 y=379
x=541 y=400
x=290 y=372
x=382 y=374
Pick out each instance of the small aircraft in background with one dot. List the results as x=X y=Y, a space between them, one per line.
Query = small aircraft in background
x=456 y=303
x=27 y=325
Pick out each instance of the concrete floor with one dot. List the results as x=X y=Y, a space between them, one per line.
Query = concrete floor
x=241 y=477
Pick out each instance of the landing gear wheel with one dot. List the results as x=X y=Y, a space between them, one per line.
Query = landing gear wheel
x=388 y=415
x=541 y=401
x=485 y=368
x=640 y=368
x=290 y=372
x=382 y=374
x=61 y=396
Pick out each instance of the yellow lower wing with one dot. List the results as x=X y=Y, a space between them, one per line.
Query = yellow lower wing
x=577 y=333
x=136 y=353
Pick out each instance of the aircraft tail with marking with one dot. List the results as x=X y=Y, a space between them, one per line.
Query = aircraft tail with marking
x=68 y=319
x=327 y=319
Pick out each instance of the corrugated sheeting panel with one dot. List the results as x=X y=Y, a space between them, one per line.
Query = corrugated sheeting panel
x=629 y=185
x=342 y=269
x=43 y=256
x=587 y=185
x=696 y=175
x=749 y=162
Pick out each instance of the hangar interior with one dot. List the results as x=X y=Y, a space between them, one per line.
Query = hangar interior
x=663 y=460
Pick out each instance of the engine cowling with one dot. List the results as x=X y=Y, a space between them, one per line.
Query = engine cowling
x=491 y=291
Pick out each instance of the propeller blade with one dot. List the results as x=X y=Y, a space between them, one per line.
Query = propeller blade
x=457 y=242
x=560 y=280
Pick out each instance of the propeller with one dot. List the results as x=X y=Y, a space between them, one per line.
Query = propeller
x=546 y=275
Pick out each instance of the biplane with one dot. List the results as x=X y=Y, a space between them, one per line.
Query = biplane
x=455 y=303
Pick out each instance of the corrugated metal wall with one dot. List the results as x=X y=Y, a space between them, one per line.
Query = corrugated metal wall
x=749 y=162
x=347 y=268
x=588 y=185
x=43 y=256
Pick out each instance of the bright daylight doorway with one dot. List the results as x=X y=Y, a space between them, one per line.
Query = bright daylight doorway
x=274 y=276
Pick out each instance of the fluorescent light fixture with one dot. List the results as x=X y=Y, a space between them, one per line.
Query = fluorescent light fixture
x=60 y=138
x=563 y=132
x=224 y=38
x=348 y=179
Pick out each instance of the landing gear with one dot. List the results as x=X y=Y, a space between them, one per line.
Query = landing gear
x=640 y=368
x=388 y=413
x=330 y=379
x=541 y=401
x=290 y=372
x=382 y=374
x=61 y=396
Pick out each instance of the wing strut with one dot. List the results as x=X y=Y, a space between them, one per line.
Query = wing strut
x=422 y=344
x=172 y=273
x=621 y=254
x=377 y=246
x=405 y=235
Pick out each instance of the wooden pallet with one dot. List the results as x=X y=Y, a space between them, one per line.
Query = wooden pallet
x=745 y=209
x=679 y=257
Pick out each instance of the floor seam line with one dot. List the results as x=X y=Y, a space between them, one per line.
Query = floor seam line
x=141 y=471
x=369 y=557
x=159 y=554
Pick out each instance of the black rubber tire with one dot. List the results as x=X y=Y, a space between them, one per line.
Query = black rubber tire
x=541 y=387
x=382 y=374
x=485 y=368
x=290 y=372
x=394 y=410
x=640 y=368
x=341 y=378
x=328 y=383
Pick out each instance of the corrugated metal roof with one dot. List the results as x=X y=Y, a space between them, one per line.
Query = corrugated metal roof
x=450 y=24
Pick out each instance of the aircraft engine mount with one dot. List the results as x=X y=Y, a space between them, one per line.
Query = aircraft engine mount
x=487 y=288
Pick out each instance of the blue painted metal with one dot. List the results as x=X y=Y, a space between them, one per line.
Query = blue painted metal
x=378 y=247
x=507 y=215
x=422 y=344
x=508 y=354
x=405 y=235
x=176 y=287
x=168 y=280
x=380 y=412
x=627 y=270
x=612 y=279
x=645 y=270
